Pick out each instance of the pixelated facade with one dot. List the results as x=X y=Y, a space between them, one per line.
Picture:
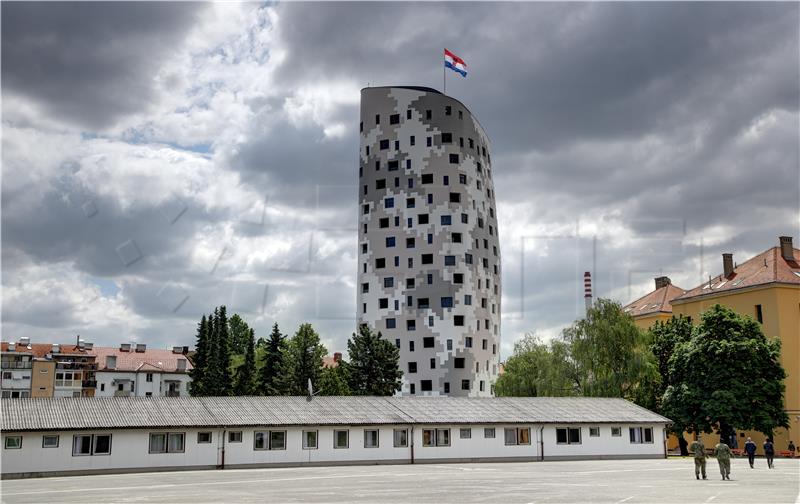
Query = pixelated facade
x=429 y=258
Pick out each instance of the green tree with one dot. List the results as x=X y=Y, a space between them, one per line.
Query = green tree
x=609 y=356
x=239 y=334
x=302 y=361
x=535 y=369
x=200 y=359
x=272 y=364
x=333 y=380
x=374 y=367
x=727 y=376
x=246 y=372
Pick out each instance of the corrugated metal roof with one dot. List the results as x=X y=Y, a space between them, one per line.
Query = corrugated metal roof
x=78 y=413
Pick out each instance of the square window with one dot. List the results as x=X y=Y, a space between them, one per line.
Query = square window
x=410 y=242
x=158 y=443
x=488 y=432
x=394 y=119
x=467 y=299
x=390 y=241
x=453 y=158
x=455 y=197
x=310 y=440
x=458 y=320
x=447 y=138
x=394 y=165
x=102 y=444
x=409 y=283
x=458 y=363
x=341 y=439
x=458 y=278
x=412 y=367
x=410 y=202
x=446 y=220
x=204 y=437
x=380 y=263
x=235 y=436
x=468 y=342
x=427 y=258
x=510 y=437
x=446 y=302
x=13 y=442
x=465 y=433
x=423 y=218
x=50 y=441
x=388 y=202
x=391 y=323
x=371 y=438
x=427 y=178
x=383 y=303
x=380 y=184
x=594 y=431
x=428 y=342
x=423 y=303
x=384 y=144
x=277 y=440
x=462 y=178
x=425 y=386
x=400 y=438
x=388 y=282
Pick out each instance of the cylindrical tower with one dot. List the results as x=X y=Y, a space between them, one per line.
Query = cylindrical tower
x=429 y=257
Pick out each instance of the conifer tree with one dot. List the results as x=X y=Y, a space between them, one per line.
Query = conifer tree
x=273 y=363
x=245 y=373
x=200 y=359
x=374 y=364
x=212 y=376
x=225 y=386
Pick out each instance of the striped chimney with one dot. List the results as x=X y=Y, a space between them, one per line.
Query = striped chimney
x=587 y=290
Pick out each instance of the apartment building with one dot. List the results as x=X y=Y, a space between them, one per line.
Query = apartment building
x=135 y=370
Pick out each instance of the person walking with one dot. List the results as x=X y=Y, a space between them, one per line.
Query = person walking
x=750 y=449
x=698 y=449
x=769 y=452
x=723 y=454
x=791 y=448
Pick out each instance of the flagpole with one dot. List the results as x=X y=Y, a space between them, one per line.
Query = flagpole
x=444 y=79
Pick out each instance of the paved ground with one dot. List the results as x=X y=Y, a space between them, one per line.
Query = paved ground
x=626 y=481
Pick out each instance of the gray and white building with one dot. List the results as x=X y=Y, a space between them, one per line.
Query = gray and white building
x=64 y=436
x=429 y=258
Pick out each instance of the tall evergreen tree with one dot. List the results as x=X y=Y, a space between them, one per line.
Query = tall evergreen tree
x=245 y=373
x=273 y=363
x=239 y=333
x=224 y=349
x=302 y=361
x=374 y=364
x=212 y=375
x=200 y=359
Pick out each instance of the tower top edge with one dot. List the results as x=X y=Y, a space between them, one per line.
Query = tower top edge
x=424 y=89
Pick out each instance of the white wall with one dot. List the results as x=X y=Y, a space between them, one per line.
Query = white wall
x=605 y=445
x=130 y=448
x=158 y=387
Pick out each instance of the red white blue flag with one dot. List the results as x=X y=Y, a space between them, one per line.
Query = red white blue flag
x=455 y=63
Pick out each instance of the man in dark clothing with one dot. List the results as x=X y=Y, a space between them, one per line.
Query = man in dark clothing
x=769 y=452
x=750 y=448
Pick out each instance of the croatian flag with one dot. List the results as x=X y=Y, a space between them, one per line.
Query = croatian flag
x=455 y=63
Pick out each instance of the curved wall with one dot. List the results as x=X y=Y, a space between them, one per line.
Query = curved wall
x=429 y=259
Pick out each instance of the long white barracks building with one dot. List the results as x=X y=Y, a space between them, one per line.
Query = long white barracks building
x=64 y=436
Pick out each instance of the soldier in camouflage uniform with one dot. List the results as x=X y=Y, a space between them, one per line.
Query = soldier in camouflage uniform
x=698 y=449
x=723 y=454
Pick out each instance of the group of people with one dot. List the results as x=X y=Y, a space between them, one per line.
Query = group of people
x=723 y=453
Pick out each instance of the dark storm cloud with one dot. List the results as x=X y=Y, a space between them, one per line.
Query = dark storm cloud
x=89 y=62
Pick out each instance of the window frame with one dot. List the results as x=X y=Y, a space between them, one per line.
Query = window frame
x=568 y=431
x=594 y=431
x=377 y=438
x=231 y=436
x=45 y=436
x=306 y=444
x=210 y=437
x=489 y=433
x=404 y=443
x=465 y=433
x=618 y=431
x=270 y=445
x=336 y=439
x=6 y=443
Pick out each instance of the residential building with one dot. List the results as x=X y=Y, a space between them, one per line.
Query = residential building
x=45 y=437
x=656 y=305
x=429 y=257
x=766 y=288
x=16 y=361
x=132 y=369
x=62 y=370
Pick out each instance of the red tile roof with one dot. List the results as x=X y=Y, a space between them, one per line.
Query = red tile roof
x=657 y=301
x=39 y=350
x=152 y=359
x=765 y=268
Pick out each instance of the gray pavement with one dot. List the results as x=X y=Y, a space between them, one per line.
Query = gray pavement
x=622 y=481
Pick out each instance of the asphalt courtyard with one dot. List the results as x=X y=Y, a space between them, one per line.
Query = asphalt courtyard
x=620 y=481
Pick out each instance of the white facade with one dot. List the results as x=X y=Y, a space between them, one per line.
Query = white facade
x=130 y=448
x=141 y=383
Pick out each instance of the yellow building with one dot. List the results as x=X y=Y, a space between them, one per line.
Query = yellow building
x=43 y=378
x=655 y=306
x=767 y=288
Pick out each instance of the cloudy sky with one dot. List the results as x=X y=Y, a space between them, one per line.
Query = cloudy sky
x=161 y=159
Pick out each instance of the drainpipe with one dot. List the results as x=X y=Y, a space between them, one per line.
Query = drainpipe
x=412 y=444
x=222 y=465
x=541 y=443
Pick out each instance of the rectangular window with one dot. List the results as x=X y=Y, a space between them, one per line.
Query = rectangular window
x=446 y=180
x=408 y=114
x=277 y=440
x=341 y=439
x=388 y=282
x=427 y=258
x=446 y=302
x=310 y=440
x=488 y=432
x=102 y=444
x=13 y=442
x=149 y=377
x=391 y=323
x=410 y=242
x=82 y=444
x=447 y=138
x=49 y=441
x=455 y=197
x=411 y=325
x=394 y=166
x=464 y=384
x=468 y=341
x=594 y=431
x=400 y=438
x=568 y=435
x=384 y=144
x=465 y=433
x=412 y=367
x=448 y=110
x=511 y=437
x=371 y=438
x=412 y=140
x=429 y=141
x=616 y=431
x=449 y=260
x=426 y=385
x=428 y=437
x=449 y=344
x=442 y=437
x=235 y=436
x=260 y=441
x=428 y=114
x=203 y=437
x=427 y=178
x=446 y=387
x=759 y=314
x=446 y=220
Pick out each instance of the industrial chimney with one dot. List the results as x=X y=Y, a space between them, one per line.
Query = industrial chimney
x=587 y=290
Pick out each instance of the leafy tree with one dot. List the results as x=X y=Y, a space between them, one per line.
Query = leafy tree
x=273 y=350
x=239 y=334
x=302 y=361
x=535 y=369
x=246 y=372
x=200 y=359
x=374 y=367
x=609 y=356
x=727 y=376
x=333 y=380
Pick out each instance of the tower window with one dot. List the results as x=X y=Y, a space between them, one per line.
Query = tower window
x=394 y=119
x=384 y=144
x=453 y=158
x=447 y=138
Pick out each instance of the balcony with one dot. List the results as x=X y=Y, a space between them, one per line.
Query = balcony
x=89 y=384
x=122 y=393
x=173 y=393
x=16 y=365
